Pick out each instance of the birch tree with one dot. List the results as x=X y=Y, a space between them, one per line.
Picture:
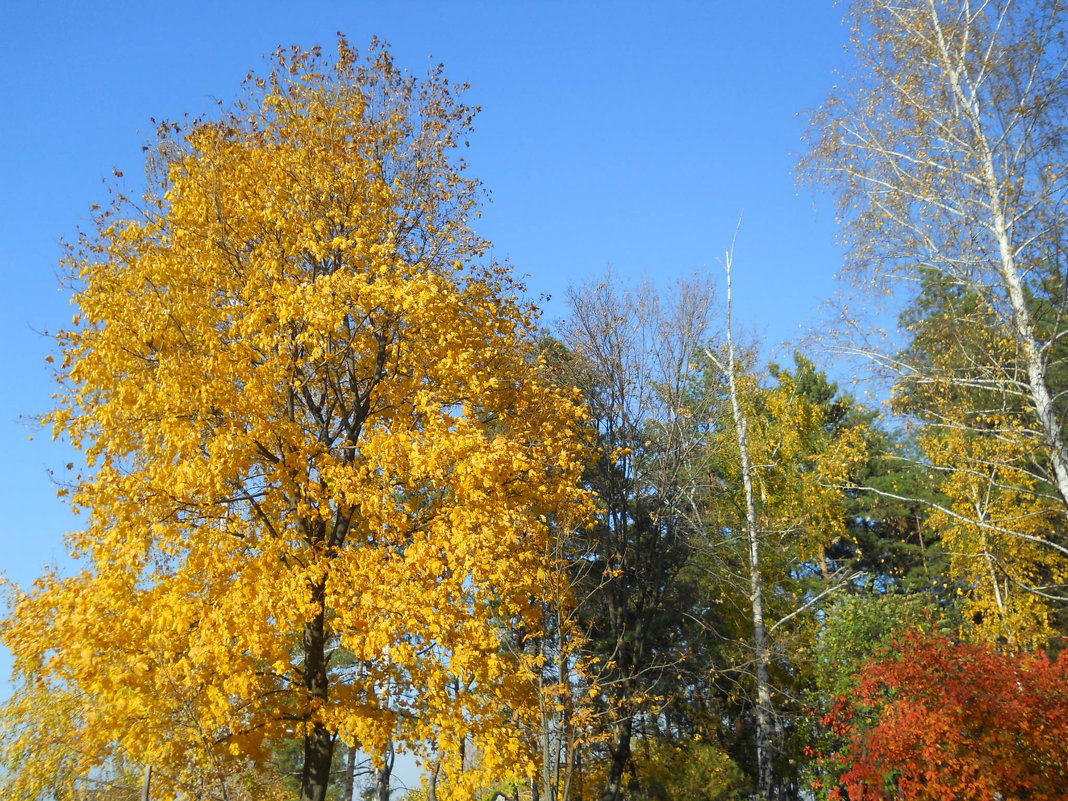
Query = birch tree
x=761 y=654
x=775 y=503
x=947 y=149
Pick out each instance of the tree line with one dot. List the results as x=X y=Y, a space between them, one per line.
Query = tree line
x=346 y=497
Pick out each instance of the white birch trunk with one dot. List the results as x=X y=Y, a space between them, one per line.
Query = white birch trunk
x=764 y=708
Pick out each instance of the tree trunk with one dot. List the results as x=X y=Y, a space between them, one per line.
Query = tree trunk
x=146 y=784
x=565 y=759
x=318 y=741
x=349 y=782
x=764 y=709
x=382 y=776
x=547 y=760
x=546 y=740
x=432 y=781
x=618 y=759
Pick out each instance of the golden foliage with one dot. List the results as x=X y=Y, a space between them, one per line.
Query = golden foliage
x=997 y=528
x=801 y=466
x=312 y=421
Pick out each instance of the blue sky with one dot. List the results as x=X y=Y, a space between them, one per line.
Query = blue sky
x=626 y=133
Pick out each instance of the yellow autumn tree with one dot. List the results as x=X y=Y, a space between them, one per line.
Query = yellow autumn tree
x=314 y=425
x=999 y=517
x=946 y=147
x=996 y=530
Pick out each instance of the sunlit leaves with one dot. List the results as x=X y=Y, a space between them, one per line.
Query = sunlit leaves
x=939 y=720
x=314 y=420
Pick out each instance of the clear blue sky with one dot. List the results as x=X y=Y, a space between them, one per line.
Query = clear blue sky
x=626 y=133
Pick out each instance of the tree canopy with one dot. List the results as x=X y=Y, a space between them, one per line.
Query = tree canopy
x=315 y=423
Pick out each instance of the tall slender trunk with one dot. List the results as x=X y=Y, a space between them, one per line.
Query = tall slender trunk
x=547 y=757
x=547 y=716
x=1024 y=329
x=764 y=708
x=349 y=781
x=318 y=741
x=146 y=784
x=566 y=755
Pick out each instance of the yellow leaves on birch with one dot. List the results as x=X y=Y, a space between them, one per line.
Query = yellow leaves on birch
x=997 y=528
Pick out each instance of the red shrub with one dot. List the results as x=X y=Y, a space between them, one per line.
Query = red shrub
x=938 y=720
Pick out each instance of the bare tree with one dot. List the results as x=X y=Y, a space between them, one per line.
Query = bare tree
x=634 y=358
